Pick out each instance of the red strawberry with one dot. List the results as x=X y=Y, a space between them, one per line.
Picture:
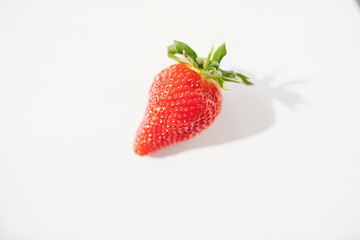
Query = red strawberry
x=185 y=98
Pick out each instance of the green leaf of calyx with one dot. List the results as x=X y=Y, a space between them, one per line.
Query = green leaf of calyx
x=214 y=64
x=244 y=79
x=219 y=53
x=221 y=83
x=183 y=49
x=231 y=76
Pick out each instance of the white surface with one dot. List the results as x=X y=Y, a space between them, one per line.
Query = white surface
x=281 y=162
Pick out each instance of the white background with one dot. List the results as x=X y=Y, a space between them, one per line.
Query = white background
x=282 y=161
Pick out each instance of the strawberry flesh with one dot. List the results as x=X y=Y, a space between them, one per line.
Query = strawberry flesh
x=181 y=105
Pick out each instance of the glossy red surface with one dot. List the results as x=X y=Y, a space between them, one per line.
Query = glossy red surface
x=181 y=105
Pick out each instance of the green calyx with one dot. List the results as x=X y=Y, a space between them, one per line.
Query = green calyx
x=208 y=67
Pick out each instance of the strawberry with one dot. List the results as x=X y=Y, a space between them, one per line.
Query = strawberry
x=184 y=98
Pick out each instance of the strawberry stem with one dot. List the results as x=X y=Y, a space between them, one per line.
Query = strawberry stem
x=208 y=61
x=207 y=67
